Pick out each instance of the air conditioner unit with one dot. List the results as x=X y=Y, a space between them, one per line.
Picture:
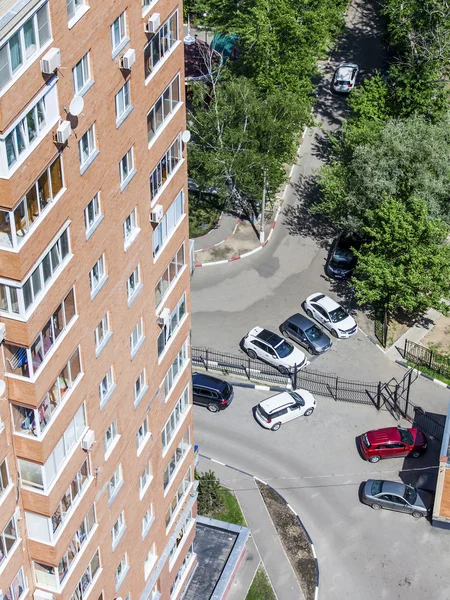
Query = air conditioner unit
x=164 y=316
x=51 y=61
x=63 y=132
x=153 y=23
x=157 y=214
x=88 y=440
x=41 y=595
x=128 y=59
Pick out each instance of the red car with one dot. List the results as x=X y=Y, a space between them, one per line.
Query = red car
x=392 y=442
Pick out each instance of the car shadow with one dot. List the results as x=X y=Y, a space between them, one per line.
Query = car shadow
x=361 y=490
x=358 y=447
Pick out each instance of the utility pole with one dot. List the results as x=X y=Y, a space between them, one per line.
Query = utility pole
x=263 y=207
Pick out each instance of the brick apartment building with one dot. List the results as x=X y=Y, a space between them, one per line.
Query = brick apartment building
x=97 y=498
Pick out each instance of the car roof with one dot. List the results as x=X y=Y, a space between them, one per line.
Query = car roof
x=271 y=338
x=208 y=381
x=275 y=402
x=300 y=321
x=325 y=301
x=381 y=436
x=393 y=487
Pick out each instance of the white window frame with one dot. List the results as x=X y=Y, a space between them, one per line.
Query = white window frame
x=171 y=275
x=165 y=170
x=147 y=521
x=95 y=208
x=111 y=438
x=140 y=382
x=118 y=530
x=73 y=15
x=126 y=168
x=137 y=337
x=149 y=561
x=123 y=97
x=134 y=284
x=142 y=436
x=81 y=87
x=82 y=590
x=121 y=22
x=130 y=228
x=17 y=539
x=114 y=484
x=96 y=282
x=169 y=331
x=176 y=369
x=165 y=39
x=168 y=225
x=163 y=109
x=87 y=140
x=176 y=419
x=102 y=334
x=5 y=480
x=145 y=480
x=177 y=458
x=121 y=571
x=19 y=582
x=106 y=387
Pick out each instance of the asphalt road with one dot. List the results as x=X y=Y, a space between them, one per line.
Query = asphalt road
x=314 y=463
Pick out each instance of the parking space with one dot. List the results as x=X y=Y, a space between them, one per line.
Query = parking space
x=314 y=462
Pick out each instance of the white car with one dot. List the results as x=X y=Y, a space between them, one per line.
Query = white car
x=345 y=77
x=284 y=407
x=273 y=349
x=331 y=315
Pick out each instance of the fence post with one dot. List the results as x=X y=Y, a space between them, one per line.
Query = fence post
x=248 y=374
x=295 y=376
x=407 y=392
x=206 y=349
x=336 y=395
x=404 y=349
x=430 y=363
x=378 y=406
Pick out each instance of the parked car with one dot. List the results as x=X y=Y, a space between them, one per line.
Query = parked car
x=394 y=495
x=284 y=407
x=306 y=333
x=342 y=261
x=211 y=392
x=273 y=349
x=344 y=78
x=331 y=314
x=392 y=442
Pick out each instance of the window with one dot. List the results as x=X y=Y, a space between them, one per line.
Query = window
x=126 y=167
x=134 y=283
x=169 y=277
x=81 y=75
x=41 y=477
x=34 y=421
x=75 y=9
x=115 y=483
x=175 y=420
x=86 y=148
x=142 y=434
x=4 y=477
x=169 y=331
x=146 y=4
x=53 y=577
x=150 y=561
x=140 y=388
x=176 y=368
x=97 y=275
x=102 y=333
x=8 y=538
x=24 y=45
x=137 y=336
x=123 y=102
x=147 y=521
x=110 y=436
x=118 y=31
x=26 y=362
x=17 y=224
x=163 y=108
x=176 y=459
x=165 y=168
x=117 y=530
x=85 y=584
x=92 y=214
x=144 y=480
x=121 y=571
x=130 y=228
x=106 y=387
x=161 y=44
x=17 y=587
x=179 y=497
x=169 y=223
x=183 y=570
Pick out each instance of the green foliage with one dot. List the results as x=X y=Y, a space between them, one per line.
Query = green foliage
x=405 y=263
x=231 y=512
x=261 y=588
x=210 y=493
x=204 y=212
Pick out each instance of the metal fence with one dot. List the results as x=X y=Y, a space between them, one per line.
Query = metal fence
x=432 y=424
x=322 y=384
x=422 y=356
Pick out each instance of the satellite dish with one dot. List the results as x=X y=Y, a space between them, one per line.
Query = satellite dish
x=2 y=387
x=186 y=136
x=76 y=105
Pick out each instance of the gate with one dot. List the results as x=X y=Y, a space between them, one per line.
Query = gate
x=394 y=395
x=380 y=328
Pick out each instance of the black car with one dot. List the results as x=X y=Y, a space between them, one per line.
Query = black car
x=211 y=392
x=342 y=260
x=306 y=333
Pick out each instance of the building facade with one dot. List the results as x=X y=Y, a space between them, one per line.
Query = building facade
x=97 y=493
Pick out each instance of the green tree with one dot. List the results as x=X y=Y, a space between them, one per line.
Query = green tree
x=406 y=262
x=210 y=493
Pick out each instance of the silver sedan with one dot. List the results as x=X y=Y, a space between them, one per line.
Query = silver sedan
x=394 y=495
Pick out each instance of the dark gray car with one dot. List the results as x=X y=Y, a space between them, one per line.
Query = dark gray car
x=306 y=333
x=394 y=495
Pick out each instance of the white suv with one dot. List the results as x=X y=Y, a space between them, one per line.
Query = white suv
x=273 y=349
x=279 y=409
x=331 y=315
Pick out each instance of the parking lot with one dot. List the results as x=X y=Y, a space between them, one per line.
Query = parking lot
x=314 y=463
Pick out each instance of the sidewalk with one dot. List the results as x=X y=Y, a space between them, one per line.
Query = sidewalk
x=224 y=228
x=265 y=537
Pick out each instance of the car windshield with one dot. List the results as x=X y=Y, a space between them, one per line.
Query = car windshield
x=406 y=436
x=313 y=333
x=410 y=494
x=297 y=398
x=376 y=487
x=338 y=314
x=284 y=349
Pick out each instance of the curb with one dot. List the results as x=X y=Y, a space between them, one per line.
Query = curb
x=316 y=594
x=215 y=227
x=222 y=241
x=424 y=375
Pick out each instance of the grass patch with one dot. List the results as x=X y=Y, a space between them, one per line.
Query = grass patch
x=261 y=588
x=429 y=372
x=231 y=511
